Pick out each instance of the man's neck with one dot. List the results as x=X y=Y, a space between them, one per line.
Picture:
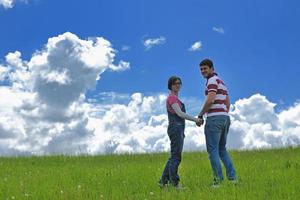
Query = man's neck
x=211 y=75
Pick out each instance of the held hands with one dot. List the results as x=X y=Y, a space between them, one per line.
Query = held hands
x=200 y=121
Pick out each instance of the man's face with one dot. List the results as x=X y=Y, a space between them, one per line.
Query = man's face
x=206 y=71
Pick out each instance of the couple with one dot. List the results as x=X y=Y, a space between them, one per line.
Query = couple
x=217 y=124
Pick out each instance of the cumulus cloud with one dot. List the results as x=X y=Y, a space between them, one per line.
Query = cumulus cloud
x=122 y=66
x=122 y=123
x=150 y=42
x=140 y=126
x=6 y=3
x=256 y=124
x=218 y=30
x=44 y=111
x=10 y=3
x=137 y=126
x=196 y=46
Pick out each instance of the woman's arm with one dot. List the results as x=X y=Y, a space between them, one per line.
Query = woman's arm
x=183 y=115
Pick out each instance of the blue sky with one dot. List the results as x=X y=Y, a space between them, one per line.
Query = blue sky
x=53 y=52
x=257 y=53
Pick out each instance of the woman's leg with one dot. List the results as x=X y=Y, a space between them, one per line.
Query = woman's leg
x=165 y=178
x=176 y=136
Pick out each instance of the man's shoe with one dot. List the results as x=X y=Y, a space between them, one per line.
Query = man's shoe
x=216 y=184
x=233 y=181
x=179 y=187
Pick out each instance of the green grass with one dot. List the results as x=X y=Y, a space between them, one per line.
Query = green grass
x=269 y=174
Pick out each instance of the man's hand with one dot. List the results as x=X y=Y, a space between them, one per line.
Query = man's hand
x=200 y=122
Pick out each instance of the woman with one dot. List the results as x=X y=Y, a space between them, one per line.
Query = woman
x=176 y=116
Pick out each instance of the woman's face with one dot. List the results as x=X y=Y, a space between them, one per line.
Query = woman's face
x=176 y=86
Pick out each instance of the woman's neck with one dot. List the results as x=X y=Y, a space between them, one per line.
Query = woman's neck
x=174 y=93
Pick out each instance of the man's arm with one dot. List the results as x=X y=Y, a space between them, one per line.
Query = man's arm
x=210 y=98
x=227 y=103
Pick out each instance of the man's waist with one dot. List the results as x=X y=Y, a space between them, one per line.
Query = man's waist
x=225 y=114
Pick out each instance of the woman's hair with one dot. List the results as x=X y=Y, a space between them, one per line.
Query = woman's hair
x=172 y=80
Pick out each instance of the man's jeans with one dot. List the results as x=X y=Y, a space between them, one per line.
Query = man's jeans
x=176 y=135
x=216 y=130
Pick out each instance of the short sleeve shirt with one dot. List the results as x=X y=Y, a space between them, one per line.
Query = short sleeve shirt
x=171 y=100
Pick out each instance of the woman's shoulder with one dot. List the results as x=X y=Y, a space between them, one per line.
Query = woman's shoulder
x=172 y=96
x=172 y=99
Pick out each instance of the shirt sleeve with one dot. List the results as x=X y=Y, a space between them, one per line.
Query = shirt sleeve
x=212 y=85
x=172 y=100
x=181 y=114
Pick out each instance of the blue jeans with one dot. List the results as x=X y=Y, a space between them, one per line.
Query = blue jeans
x=176 y=135
x=216 y=130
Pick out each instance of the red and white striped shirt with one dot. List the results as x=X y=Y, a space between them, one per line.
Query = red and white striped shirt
x=215 y=84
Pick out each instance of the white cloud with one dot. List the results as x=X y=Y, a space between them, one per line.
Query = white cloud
x=3 y=72
x=141 y=124
x=43 y=109
x=137 y=123
x=218 y=30
x=122 y=66
x=138 y=126
x=196 y=46
x=255 y=124
x=10 y=3
x=6 y=3
x=150 y=42
x=125 y=48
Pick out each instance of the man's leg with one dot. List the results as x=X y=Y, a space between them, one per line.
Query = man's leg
x=212 y=136
x=230 y=171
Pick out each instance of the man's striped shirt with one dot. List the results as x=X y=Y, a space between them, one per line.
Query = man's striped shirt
x=215 y=84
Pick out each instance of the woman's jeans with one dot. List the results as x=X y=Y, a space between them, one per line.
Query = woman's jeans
x=176 y=135
x=216 y=130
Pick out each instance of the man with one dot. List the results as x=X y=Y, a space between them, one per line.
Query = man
x=216 y=108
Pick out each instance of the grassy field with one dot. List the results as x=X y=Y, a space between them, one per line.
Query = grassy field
x=269 y=174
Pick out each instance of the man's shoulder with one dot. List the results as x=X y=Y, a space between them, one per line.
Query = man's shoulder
x=212 y=80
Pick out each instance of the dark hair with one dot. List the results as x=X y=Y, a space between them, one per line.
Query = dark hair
x=172 y=80
x=207 y=62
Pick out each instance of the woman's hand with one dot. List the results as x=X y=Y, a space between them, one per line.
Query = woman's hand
x=199 y=122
